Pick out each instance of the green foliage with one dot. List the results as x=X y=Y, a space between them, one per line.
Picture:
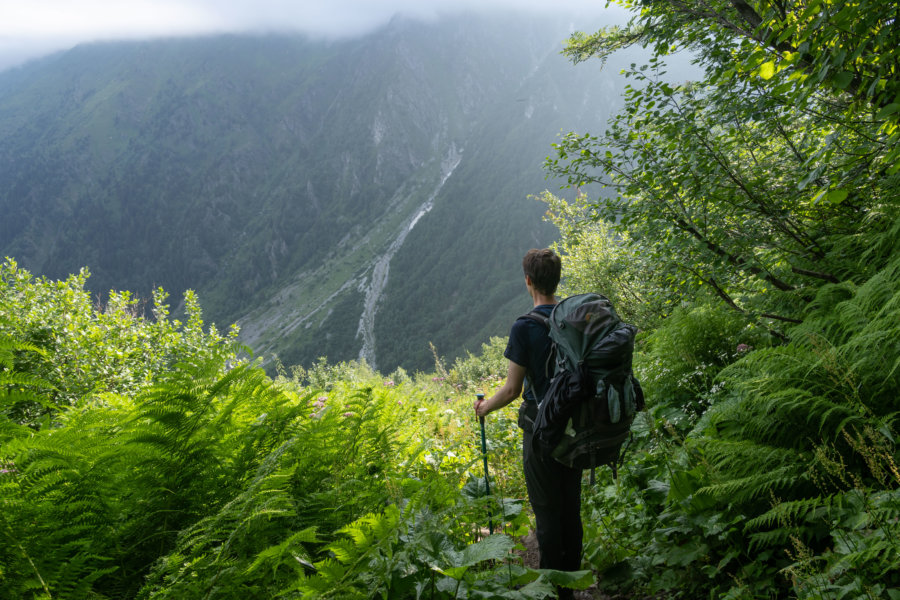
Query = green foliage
x=325 y=376
x=211 y=480
x=844 y=52
x=651 y=532
x=596 y=259
x=475 y=372
x=807 y=427
x=20 y=397
x=755 y=190
x=864 y=558
x=87 y=350
x=770 y=185
x=387 y=556
x=678 y=361
x=186 y=475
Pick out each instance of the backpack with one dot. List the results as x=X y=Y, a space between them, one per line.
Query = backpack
x=586 y=414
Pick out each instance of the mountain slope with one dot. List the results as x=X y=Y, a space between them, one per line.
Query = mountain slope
x=340 y=199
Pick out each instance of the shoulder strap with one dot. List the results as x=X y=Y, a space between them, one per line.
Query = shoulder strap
x=537 y=317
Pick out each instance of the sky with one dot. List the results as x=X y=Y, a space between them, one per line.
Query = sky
x=31 y=28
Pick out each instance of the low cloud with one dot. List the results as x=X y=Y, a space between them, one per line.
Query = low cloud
x=35 y=27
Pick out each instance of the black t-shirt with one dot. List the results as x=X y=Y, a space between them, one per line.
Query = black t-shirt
x=529 y=346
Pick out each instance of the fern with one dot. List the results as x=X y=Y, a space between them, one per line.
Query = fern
x=22 y=397
x=63 y=488
x=787 y=514
x=805 y=428
x=742 y=490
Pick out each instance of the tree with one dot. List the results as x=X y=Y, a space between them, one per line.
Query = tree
x=851 y=49
x=759 y=183
x=596 y=260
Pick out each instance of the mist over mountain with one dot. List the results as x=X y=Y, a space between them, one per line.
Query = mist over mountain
x=354 y=198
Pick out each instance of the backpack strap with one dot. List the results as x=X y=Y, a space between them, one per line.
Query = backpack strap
x=537 y=317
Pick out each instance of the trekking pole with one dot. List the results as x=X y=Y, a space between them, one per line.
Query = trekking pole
x=487 y=483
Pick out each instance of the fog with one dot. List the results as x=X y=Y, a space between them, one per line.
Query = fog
x=37 y=27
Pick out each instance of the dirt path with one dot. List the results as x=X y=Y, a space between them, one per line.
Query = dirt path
x=532 y=557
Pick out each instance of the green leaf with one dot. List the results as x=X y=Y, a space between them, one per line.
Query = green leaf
x=767 y=69
x=887 y=111
x=843 y=79
x=836 y=196
x=495 y=547
x=452 y=572
x=577 y=580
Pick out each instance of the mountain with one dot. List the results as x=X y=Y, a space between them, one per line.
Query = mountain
x=353 y=198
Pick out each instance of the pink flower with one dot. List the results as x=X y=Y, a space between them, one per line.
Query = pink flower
x=743 y=348
x=348 y=414
x=389 y=383
x=322 y=398
x=319 y=403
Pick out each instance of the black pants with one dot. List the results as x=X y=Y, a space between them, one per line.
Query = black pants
x=554 y=491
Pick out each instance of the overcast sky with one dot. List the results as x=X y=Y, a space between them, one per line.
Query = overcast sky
x=30 y=28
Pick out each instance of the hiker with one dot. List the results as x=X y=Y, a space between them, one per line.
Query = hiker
x=554 y=490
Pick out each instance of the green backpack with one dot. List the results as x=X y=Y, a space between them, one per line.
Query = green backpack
x=586 y=414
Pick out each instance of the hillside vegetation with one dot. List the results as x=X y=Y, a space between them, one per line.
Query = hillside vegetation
x=323 y=194
x=752 y=234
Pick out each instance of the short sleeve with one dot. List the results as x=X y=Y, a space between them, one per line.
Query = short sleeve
x=517 y=346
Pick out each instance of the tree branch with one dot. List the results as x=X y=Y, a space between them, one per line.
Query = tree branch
x=732 y=259
x=780 y=318
x=818 y=275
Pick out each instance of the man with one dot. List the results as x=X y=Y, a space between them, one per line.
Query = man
x=554 y=490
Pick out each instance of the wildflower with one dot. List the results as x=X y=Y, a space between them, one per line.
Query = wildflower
x=318 y=404
x=348 y=414
x=322 y=398
x=389 y=383
x=400 y=402
x=437 y=378
x=741 y=348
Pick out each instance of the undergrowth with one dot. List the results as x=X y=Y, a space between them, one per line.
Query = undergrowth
x=771 y=474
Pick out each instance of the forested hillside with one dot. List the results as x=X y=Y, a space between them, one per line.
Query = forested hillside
x=752 y=234
x=314 y=191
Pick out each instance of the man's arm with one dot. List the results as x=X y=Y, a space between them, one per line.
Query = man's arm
x=509 y=391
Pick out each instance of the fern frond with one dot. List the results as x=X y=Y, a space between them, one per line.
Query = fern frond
x=776 y=538
x=753 y=487
x=784 y=514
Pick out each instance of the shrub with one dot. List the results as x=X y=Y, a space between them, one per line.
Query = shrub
x=678 y=362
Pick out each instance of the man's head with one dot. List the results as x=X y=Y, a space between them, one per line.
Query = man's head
x=543 y=268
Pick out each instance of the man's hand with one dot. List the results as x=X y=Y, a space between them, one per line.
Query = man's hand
x=510 y=390
x=481 y=407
